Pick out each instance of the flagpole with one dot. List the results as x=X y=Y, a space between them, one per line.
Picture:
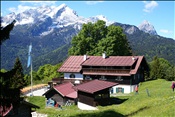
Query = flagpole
x=29 y=63
x=31 y=77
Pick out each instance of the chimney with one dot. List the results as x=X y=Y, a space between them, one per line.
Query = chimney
x=85 y=57
x=104 y=55
x=133 y=58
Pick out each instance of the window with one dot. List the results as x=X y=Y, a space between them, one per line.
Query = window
x=103 y=78
x=119 y=89
x=111 y=91
x=105 y=95
x=119 y=78
x=98 y=96
x=103 y=67
x=72 y=75
x=88 y=78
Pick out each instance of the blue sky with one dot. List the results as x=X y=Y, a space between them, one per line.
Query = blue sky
x=159 y=13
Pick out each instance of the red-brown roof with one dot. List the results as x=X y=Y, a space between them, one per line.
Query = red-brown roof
x=134 y=71
x=72 y=95
x=75 y=63
x=72 y=64
x=66 y=90
x=110 y=61
x=94 y=86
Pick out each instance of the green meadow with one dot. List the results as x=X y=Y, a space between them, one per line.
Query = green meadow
x=155 y=99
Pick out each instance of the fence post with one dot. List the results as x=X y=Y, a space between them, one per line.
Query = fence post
x=147 y=91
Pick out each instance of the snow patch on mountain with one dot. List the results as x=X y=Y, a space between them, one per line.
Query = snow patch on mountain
x=100 y=17
x=47 y=18
x=131 y=30
x=147 y=28
x=46 y=32
x=26 y=21
x=61 y=16
x=7 y=19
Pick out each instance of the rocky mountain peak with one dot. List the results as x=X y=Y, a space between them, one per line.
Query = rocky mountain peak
x=147 y=27
x=48 y=18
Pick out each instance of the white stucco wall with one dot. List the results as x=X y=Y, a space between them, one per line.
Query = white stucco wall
x=77 y=75
x=127 y=88
x=83 y=106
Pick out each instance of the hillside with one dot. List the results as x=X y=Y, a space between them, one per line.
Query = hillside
x=149 y=45
x=160 y=103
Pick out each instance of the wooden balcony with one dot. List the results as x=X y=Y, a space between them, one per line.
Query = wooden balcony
x=56 y=81
x=124 y=81
x=100 y=71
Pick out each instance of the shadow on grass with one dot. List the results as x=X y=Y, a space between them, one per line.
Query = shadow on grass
x=111 y=101
x=108 y=113
x=114 y=100
x=149 y=80
x=135 y=112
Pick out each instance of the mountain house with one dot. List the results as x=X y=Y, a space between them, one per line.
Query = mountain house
x=128 y=71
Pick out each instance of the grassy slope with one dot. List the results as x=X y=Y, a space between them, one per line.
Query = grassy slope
x=160 y=103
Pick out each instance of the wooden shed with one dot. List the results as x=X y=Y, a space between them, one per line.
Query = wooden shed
x=62 y=94
x=94 y=93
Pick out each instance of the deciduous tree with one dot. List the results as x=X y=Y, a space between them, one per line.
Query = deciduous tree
x=96 y=38
x=161 y=69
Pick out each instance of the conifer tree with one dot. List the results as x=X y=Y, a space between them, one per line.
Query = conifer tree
x=155 y=68
x=17 y=80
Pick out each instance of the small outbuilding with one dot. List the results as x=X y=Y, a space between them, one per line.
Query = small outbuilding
x=61 y=94
x=94 y=93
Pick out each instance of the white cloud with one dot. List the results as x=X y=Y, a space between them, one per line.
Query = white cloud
x=26 y=5
x=93 y=2
x=165 y=31
x=149 y=6
x=20 y=8
x=39 y=2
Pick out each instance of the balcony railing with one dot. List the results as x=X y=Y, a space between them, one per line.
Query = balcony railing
x=56 y=81
x=100 y=70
